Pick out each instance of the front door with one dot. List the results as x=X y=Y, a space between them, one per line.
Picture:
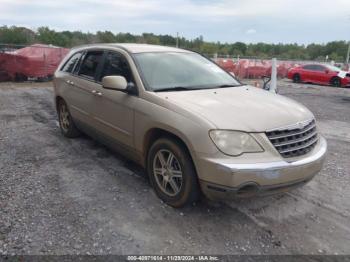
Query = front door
x=114 y=111
x=320 y=76
x=307 y=73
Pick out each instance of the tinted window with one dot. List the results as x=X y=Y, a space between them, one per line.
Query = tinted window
x=314 y=67
x=308 y=67
x=69 y=65
x=116 y=65
x=89 y=65
x=319 y=68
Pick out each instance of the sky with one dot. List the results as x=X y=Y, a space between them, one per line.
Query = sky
x=249 y=21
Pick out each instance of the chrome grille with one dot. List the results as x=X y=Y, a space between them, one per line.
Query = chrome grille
x=294 y=141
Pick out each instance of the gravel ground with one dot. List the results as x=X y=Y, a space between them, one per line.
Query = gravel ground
x=61 y=196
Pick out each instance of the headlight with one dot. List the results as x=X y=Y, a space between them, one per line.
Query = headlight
x=234 y=143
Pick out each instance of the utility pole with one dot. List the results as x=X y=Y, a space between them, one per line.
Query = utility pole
x=273 y=84
x=177 y=39
x=347 y=55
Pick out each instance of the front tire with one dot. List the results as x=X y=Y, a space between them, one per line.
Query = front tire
x=67 y=125
x=172 y=173
x=336 y=82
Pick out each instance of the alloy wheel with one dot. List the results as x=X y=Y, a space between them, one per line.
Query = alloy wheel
x=167 y=172
x=64 y=117
x=336 y=82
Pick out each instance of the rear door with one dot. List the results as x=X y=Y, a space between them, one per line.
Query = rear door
x=114 y=111
x=307 y=73
x=64 y=77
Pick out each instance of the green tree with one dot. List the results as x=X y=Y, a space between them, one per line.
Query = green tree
x=16 y=35
x=335 y=50
x=106 y=37
x=47 y=36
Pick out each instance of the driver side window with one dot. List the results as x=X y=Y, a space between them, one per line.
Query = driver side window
x=89 y=66
x=116 y=65
x=319 y=68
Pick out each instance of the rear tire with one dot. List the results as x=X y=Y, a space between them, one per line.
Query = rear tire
x=336 y=82
x=65 y=120
x=296 y=78
x=172 y=173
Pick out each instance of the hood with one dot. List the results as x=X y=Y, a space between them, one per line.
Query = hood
x=343 y=74
x=242 y=108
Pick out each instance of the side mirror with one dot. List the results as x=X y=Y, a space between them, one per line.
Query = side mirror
x=115 y=83
x=326 y=71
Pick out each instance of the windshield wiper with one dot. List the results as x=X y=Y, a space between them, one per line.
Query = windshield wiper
x=174 y=88
x=223 y=86
x=182 y=88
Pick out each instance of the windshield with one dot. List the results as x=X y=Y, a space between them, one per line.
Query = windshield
x=181 y=71
x=333 y=68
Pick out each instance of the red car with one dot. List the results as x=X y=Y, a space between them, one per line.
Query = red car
x=320 y=74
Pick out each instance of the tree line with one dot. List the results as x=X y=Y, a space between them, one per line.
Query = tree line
x=335 y=50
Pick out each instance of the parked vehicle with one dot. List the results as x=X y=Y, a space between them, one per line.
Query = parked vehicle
x=37 y=62
x=192 y=125
x=320 y=74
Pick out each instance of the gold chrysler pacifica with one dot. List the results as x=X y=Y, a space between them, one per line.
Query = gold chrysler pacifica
x=191 y=125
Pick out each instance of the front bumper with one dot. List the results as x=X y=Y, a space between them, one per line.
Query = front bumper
x=245 y=180
x=345 y=82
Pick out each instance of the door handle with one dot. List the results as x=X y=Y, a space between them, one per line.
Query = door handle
x=97 y=93
x=70 y=82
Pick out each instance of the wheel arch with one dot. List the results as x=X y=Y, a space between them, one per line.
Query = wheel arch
x=156 y=133
x=296 y=74
x=57 y=99
x=331 y=81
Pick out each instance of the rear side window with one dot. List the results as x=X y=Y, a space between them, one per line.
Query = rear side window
x=314 y=67
x=90 y=63
x=69 y=65
x=308 y=67
x=116 y=65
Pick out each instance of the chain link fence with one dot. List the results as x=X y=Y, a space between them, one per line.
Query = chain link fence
x=38 y=63
x=255 y=67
